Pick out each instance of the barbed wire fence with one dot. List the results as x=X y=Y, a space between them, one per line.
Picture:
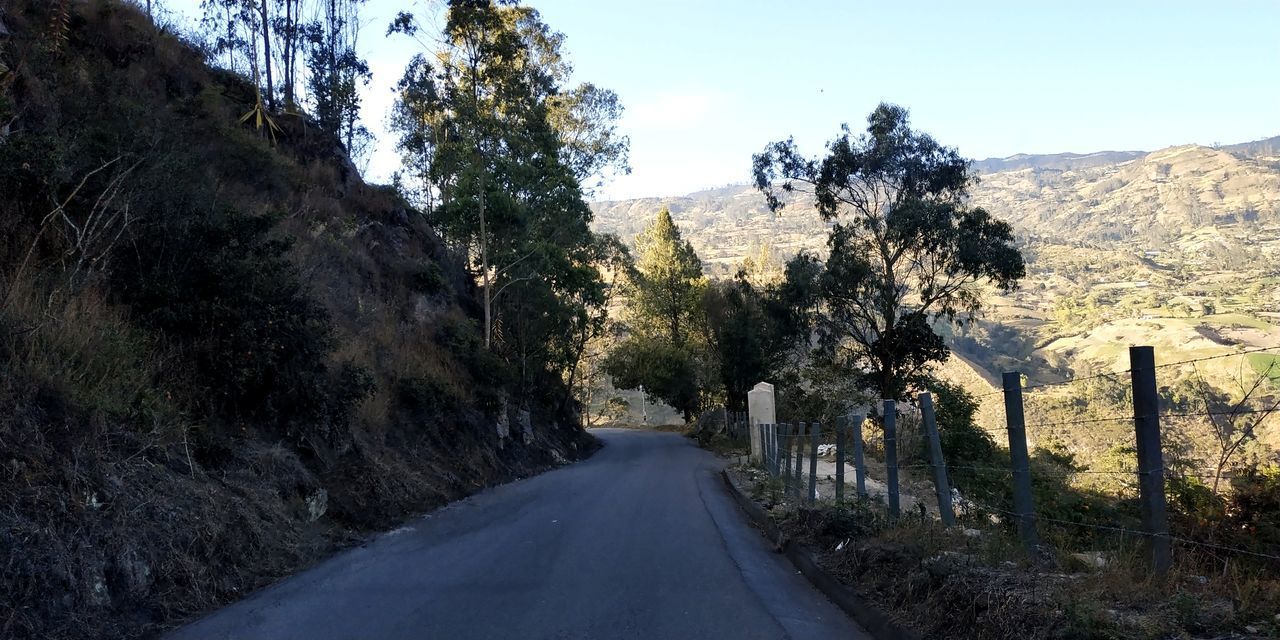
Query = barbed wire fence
x=785 y=448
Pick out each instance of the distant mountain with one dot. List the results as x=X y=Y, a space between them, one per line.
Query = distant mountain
x=1265 y=149
x=1148 y=200
x=1060 y=161
x=1177 y=248
x=1158 y=199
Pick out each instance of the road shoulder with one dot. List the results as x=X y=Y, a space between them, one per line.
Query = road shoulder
x=875 y=622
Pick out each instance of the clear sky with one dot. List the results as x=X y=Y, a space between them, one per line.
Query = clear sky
x=706 y=83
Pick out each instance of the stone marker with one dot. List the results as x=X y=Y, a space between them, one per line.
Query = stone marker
x=759 y=411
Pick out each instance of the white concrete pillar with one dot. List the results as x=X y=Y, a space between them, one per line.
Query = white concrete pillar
x=760 y=410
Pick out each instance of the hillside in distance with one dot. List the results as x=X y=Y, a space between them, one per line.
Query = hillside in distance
x=1177 y=248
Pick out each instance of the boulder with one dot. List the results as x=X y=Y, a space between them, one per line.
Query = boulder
x=1086 y=561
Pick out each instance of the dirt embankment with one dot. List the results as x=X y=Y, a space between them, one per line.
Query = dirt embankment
x=269 y=360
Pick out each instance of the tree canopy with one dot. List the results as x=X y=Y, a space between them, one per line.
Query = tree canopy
x=497 y=151
x=664 y=351
x=667 y=284
x=906 y=249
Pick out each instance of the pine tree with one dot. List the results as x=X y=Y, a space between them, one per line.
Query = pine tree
x=668 y=286
x=665 y=351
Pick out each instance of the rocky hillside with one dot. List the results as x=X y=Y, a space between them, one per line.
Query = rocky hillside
x=1161 y=200
x=1155 y=199
x=222 y=354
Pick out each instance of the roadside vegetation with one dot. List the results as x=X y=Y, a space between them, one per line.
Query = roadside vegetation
x=222 y=353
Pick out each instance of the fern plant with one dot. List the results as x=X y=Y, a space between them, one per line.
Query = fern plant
x=260 y=117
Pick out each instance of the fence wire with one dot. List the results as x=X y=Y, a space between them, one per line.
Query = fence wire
x=1138 y=533
x=788 y=454
x=794 y=451
x=1113 y=374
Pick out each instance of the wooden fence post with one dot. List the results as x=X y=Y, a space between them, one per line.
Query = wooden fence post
x=1146 y=421
x=940 y=484
x=859 y=462
x=842 y=423
x=891 y=455
x=815 y=430
x=1020 y=464
x=799 y=444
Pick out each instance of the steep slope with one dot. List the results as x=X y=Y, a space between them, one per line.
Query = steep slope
x=221 y=353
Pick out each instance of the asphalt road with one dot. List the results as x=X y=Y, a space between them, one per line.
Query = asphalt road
x=639 y=541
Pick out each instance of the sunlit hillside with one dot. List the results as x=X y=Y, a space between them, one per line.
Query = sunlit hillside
x=1178 y=248
x=1121 y=250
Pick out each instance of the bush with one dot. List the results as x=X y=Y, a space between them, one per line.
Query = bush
x=429 y=280
x=977 y=463
x=221 y=288
x=1254 y=507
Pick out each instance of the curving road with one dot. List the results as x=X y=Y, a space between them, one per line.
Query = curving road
x=639 y=541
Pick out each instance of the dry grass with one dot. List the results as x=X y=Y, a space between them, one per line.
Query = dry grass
x=976 y=581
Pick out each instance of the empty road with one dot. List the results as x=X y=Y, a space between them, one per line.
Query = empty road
x=640 y=541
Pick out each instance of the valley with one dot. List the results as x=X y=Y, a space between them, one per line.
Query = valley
x=1177 y=248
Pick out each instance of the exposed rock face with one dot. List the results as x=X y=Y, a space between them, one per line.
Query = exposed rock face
x=526 y=425
x=503 y=424
x=317 y=504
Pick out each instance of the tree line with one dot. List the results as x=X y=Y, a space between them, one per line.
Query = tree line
x=300 y=54
x=905 y=253
x=496 y=151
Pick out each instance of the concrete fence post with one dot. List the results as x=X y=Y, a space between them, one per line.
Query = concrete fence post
x=815 y=430
x=768 y=438
x=760 y=410
x=891 y=456
x=1019 y=462
x=940 y=484
x=842 y=423
x=1146 y=421
x=859 y=460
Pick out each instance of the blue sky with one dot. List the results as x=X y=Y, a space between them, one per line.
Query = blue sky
x=706 y=83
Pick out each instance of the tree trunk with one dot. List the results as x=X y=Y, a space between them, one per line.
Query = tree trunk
x=333 y=71
x=484 y=265
x=231 y=38
x=266 y=53
x=290 y=42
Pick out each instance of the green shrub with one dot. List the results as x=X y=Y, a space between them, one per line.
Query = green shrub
x=424 y=399
x=1193 y=499
x=1254 y=507
x=429 y=279
x=977 y=463
x=221 y=288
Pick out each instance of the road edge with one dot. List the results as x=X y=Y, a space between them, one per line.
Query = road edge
x=868 y=617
